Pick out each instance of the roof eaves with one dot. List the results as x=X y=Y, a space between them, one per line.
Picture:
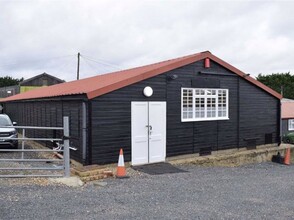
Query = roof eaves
x=285 y=100
x=288 y=117
x=39 y=98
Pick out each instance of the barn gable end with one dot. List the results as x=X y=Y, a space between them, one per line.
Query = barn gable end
x=253 y=114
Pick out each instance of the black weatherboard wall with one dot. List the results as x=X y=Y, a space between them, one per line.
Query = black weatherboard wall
x=49 y=113
x=254 y=115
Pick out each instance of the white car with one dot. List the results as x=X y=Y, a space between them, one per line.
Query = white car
x=7 y=132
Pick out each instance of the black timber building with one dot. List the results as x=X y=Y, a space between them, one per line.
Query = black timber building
x=193 y=104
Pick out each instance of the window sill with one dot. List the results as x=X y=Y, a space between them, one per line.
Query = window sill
x=204 y=119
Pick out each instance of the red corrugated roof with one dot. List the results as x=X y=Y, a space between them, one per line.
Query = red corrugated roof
x=287 y=109
x=101 y=84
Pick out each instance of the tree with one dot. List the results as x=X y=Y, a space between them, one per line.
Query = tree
x=9 y=81
x=279 y=81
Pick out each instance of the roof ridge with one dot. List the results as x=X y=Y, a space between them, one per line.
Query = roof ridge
x=140 y=67
x=39 y=75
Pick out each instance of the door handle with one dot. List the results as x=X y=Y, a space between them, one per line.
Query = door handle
x=149 y=126
x=149 y=129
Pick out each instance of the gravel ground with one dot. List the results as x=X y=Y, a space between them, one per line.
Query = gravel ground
x=260 y=191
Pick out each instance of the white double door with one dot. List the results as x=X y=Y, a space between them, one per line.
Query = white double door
x=148 y=132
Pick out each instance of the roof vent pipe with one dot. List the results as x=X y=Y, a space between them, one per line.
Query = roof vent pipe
x=207 y=63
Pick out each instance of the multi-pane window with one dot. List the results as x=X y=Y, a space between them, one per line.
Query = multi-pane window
x=187 y=102
x=291 y=124
x=204 y=104
x=222 y=103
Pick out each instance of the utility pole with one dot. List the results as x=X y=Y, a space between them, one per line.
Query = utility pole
x=78 y=68
x=282 y=90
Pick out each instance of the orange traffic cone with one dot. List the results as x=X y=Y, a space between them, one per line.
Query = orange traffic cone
x=121 y=170
x=287 y=157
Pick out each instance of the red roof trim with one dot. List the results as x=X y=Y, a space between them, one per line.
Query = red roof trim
x=99 y=85
x=244 y=76
x=145 y=75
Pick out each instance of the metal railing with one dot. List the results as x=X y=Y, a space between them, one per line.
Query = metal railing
x=65 y=149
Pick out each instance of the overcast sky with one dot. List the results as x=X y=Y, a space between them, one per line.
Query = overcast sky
x=45 y=36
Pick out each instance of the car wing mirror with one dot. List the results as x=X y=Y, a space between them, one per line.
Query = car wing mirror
x=14 y=123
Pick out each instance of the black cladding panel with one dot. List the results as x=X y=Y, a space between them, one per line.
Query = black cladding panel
x=205 y=82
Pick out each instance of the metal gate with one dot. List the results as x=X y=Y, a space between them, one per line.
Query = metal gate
x=64 y=162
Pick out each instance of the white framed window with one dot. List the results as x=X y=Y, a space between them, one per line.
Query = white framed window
x=205 y=104
x=291 y=124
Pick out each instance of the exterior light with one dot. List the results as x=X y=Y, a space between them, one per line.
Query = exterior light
x=172 y=77
x=148 y=91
